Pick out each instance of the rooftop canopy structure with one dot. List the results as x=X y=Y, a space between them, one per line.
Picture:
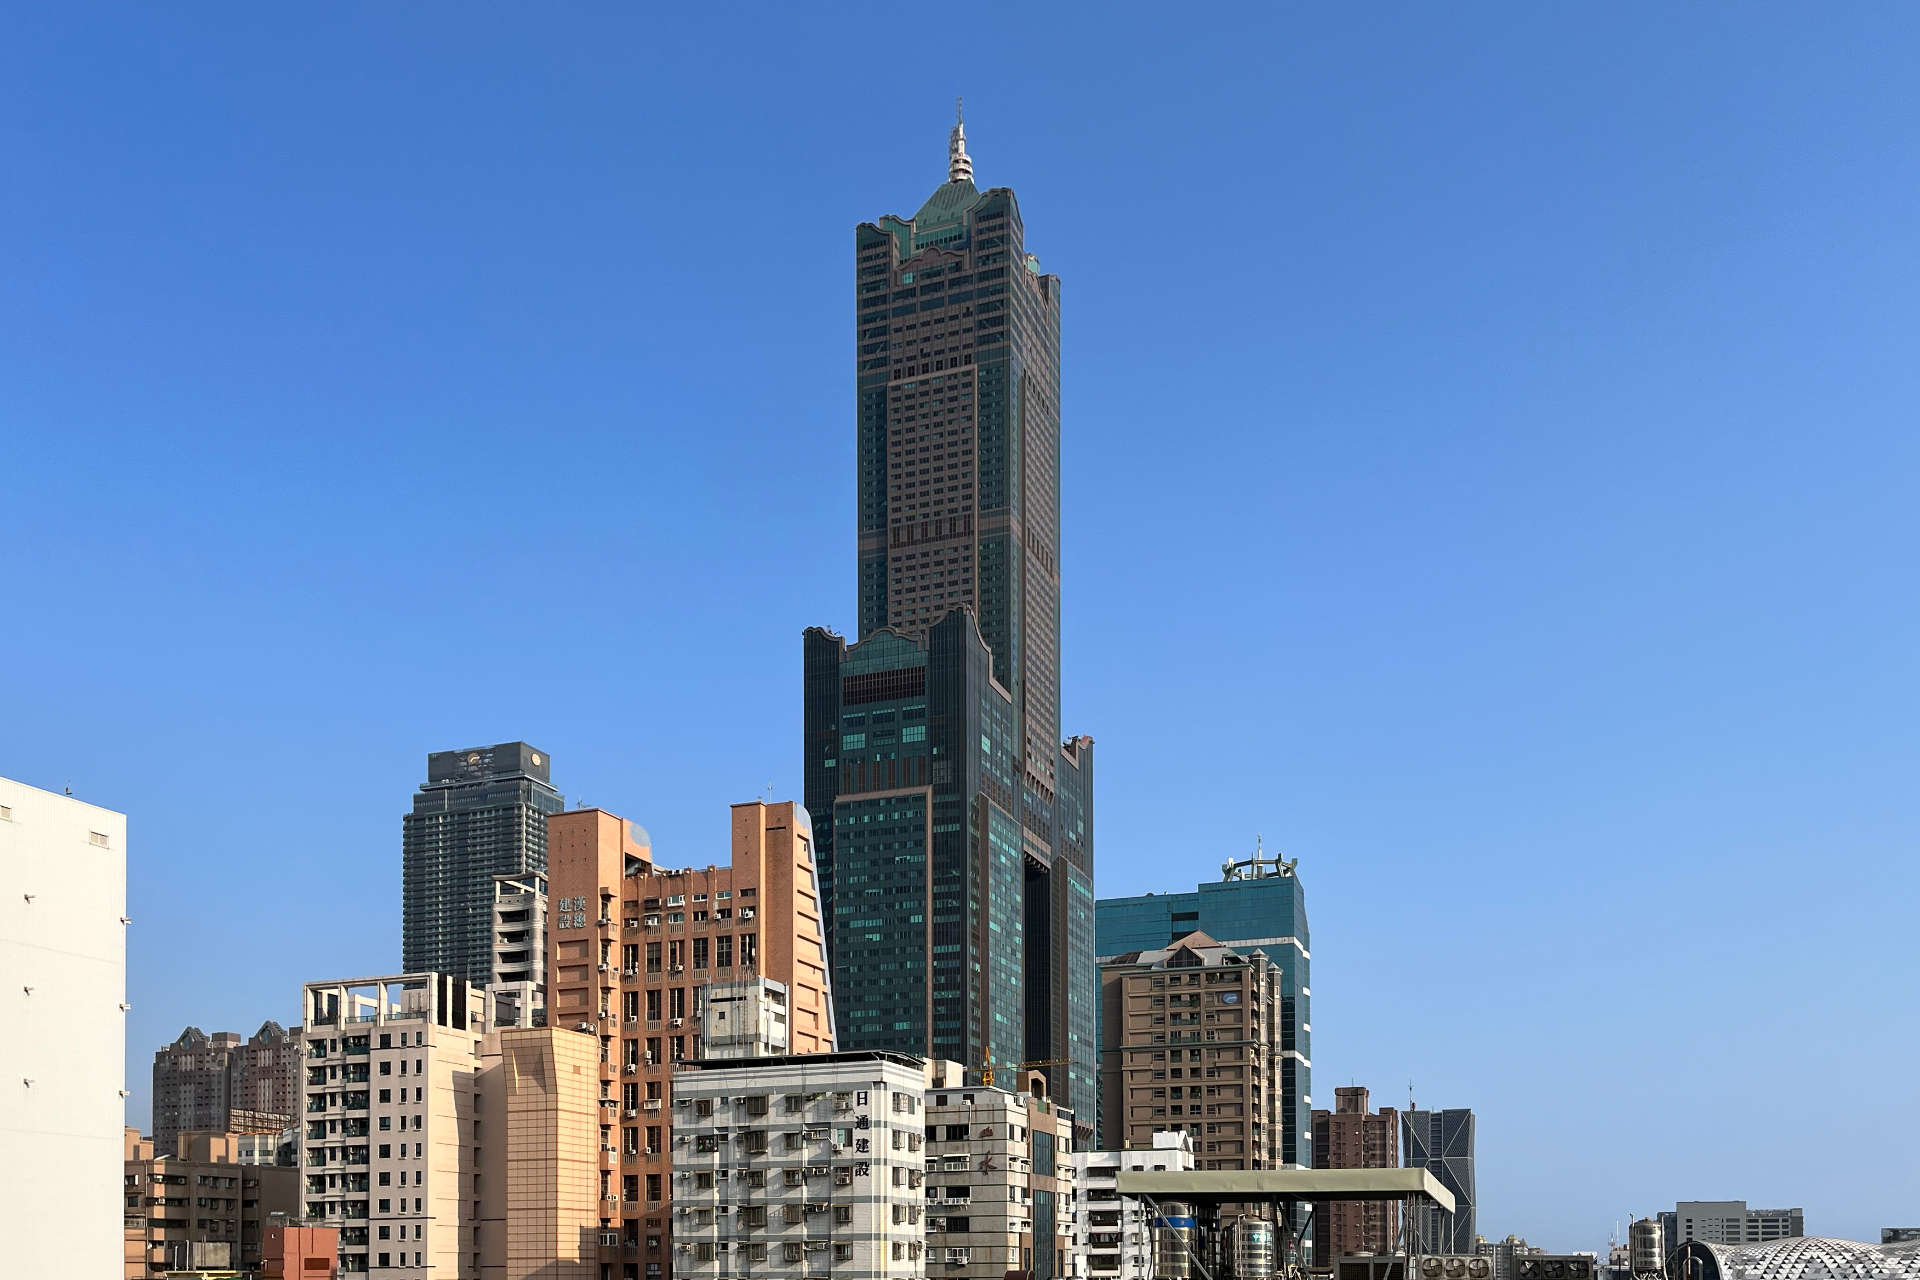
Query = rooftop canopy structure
x=1226 y=1186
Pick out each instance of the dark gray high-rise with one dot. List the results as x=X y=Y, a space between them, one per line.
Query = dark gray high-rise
x=953 y=824
x=482 y=812
x=1441 y=1142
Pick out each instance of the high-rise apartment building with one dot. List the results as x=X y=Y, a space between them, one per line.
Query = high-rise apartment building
x=1441 y=1142
x=1192 y=1042
x=1258 y=904
x=389 y=1148
x=195 y=1206
x=481 y=813
x=63 y=949
x=1729 y=1222
x=225 y=1084
x=1351 y=1137
x=634 y=953
x=935 y=771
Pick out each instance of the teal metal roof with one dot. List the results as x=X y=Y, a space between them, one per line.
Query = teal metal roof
x=948 y=202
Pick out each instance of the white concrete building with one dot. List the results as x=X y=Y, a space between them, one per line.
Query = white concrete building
x=264 y=1148
x=1115 y=1232
x=388 y=1144
x=1000 y=1178
x=810 y=1165
x=63 y=952
x=519 y=983
x=745 y=1018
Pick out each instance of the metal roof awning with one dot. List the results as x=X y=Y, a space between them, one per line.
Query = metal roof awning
x=1215 y=1186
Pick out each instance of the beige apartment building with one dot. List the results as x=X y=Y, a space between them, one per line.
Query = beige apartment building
x=633 y=950
x=197 y=1207
x=1000 y=1179
x=1191 y=1039
x=389 y=1144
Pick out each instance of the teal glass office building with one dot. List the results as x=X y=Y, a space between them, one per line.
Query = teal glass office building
x=1258 y=902
x=953 y=826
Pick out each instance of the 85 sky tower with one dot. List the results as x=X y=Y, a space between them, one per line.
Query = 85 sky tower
x=935 y=772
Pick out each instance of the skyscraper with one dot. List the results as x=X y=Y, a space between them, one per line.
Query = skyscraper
x=1257 y=904
x=1442 y=1143
x=481 y=813
x=935 y=771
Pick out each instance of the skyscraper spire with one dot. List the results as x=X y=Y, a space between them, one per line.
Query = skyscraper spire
x=959 y=163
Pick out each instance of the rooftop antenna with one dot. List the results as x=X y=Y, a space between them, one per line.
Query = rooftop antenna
x=959 y=164
x=769 y=793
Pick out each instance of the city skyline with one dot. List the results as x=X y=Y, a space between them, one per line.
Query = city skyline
x=1507 y=520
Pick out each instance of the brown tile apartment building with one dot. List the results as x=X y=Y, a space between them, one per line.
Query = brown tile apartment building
x=1190 y=1039
x=198 y=1207
x=631 y=947
x=1348 y=1137
x=223 y=1083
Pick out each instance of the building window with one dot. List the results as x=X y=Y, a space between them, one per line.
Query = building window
x=699 y=953
x=96 y=838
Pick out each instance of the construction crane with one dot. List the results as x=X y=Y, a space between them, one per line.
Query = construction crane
x=986 y=1073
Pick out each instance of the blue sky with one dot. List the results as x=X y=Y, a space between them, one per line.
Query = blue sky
x=1490 y=476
